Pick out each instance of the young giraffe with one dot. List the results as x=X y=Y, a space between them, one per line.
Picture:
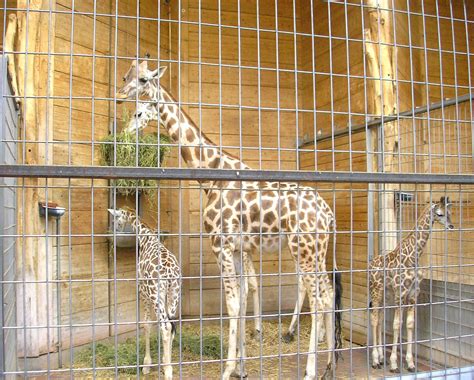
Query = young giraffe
x=397 y=270
x=250 y=216
x=147 y=112
x=159 y=285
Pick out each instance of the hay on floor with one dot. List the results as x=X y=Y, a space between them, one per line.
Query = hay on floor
x=268 y=356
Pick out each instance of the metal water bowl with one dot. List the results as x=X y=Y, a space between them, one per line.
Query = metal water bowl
x=126 y=238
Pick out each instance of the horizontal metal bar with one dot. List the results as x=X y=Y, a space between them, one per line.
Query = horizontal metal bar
x=113 y=172
x=387 y=119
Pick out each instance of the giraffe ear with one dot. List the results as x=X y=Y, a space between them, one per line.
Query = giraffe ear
x=114 y=212
x=158 y=72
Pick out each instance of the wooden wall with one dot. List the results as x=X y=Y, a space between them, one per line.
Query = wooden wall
x=79 y=126
x=259 y=133
x=339 y=99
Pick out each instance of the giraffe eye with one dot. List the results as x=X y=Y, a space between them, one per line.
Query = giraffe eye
x=143 y=80
x=124 y=79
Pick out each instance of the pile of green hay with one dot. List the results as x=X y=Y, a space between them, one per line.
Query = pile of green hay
x=124 y=146
x=126 y=352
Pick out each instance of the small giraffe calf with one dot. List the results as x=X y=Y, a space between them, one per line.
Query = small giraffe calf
x=398 y=271
x=159 y=284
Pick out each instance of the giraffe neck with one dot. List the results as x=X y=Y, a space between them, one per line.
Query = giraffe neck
x=422 y=231
x=139 y=228
x=196 y=149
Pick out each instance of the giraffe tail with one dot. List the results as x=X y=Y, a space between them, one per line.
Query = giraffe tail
x=337 y=300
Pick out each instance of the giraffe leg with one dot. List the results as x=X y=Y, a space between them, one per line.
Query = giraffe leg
x=253 y=288
x=147 y=359
x=374 y=319
x=318 y=287
x=380 y=341
x=225 y=261
x=397 y=323
x=166 y=329
x=289 y=336
x=319 y=305
x=328 y=374
x=321 y=329
x=239 y=371
x=410 y=329
x=167 y=338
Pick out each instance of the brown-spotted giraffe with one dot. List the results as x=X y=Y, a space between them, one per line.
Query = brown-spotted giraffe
x=144 y=114
x=159 y=285
x=397 y=271
x=147 y=112
x=250 y=217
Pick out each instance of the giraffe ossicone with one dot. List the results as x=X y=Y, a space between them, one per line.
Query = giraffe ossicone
x=252 y=217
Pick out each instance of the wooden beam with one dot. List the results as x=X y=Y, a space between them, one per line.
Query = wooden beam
x=382 y=101
x=34 y=73
x=9 y=46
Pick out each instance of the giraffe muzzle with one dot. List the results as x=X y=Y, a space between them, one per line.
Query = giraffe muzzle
x=120 y=97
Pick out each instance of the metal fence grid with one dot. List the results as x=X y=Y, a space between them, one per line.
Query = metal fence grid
x=369 y=102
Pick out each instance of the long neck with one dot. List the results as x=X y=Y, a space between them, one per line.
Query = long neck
x=139 y=228
x=420 y=235
x=196 y=149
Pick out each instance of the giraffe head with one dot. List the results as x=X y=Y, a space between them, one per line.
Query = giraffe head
x=121 y=217
x=145 y=113
x=441 y=212
x=139 y=81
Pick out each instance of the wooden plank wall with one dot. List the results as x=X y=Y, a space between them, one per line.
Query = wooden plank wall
x=79 y=125
x=247 y=127
x=333 y=107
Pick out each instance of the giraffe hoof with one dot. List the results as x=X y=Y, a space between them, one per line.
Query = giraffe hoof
x=411 y=369
x=395 y=370
x=376 y=366
x=287 y=338
x=236 y=375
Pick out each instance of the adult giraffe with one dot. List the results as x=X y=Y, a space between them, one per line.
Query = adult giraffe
x=147 y=112
x=250 y=216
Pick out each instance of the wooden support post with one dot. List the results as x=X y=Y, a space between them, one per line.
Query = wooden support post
x=382 y=101
x=9 y=47
x=34 y=73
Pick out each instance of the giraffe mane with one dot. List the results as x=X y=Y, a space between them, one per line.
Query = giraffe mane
x=193 y=124
x=134 y=214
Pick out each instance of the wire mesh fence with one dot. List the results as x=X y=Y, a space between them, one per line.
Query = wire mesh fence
x=321 y=152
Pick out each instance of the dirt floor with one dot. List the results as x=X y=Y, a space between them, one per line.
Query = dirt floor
x=268 y=356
